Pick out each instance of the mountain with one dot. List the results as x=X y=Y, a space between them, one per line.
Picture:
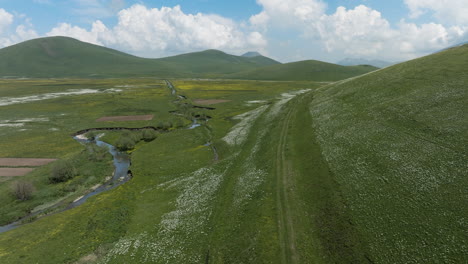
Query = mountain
x=61 y=56
x=251 y=54
x=214 y=62
x=360 y=61
x=397 y=142
x=67 y=57
x=309 y=70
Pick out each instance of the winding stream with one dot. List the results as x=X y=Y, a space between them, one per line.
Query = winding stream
x=120 y=176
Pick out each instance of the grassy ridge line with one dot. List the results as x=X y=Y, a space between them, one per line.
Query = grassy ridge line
x=67 y=57
x=303 y=70
x=396 y=140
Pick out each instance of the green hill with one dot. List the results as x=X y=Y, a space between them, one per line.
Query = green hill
x=214 y=62
x=396 y=141
x=67 y=57
x=310 y=70
x=62 y=57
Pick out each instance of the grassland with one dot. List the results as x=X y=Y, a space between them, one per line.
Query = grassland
x=167 y=210
x=367 y=170
x=397 y=142
x=43 y=128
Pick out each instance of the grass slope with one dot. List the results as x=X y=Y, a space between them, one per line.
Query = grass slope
x=209 y=62
x=397 y=139
x=310 y=70
x=67 y=57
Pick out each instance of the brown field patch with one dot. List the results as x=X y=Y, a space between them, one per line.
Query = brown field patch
x=18 y=162
x=125 y=118
x=210 y=101
x=11 y=172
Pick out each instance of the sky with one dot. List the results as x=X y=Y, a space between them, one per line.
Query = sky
x=286 y=30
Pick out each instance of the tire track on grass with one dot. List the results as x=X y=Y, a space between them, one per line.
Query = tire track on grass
x=284 y=176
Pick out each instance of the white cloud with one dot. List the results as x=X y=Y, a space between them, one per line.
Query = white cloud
x=357 y=32
x=446 y=11
x=68 y=30
x=157 y=32
x=360 y=31
x=22 y=32
x=288 y=12
x=427 y=37
x=6 y=19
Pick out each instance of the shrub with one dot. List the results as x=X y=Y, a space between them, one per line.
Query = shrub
x=165 y=125
x=179 y=123
x=148 y=135
x=91 y=135
x=125 y=143
x=22 y=190
x=133 y=135
x=62 y=171
x=96 y=153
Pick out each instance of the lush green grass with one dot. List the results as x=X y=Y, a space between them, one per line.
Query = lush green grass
x=47 y=126
x=175 y=200
x=364 y=170
x=67 y=57
x=396 y=140
x=303 y=70
x=89 y=173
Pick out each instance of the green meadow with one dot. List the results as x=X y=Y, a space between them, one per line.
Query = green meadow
x=370 y=169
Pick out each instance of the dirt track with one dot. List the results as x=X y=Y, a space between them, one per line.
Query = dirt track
x=10 y=172
x=285 y=183
x=125 y=118
x=18 y=162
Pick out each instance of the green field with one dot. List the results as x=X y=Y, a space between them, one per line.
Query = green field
x=370 y=169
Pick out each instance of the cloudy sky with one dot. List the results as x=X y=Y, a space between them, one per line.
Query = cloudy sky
x=287 y=30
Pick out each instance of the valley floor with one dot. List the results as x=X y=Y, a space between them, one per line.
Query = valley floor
x=265 y=178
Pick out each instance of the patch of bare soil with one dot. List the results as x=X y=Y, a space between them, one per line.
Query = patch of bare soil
x=125 y=118
x=209 y=101
x=18 y=162
x=11 y=172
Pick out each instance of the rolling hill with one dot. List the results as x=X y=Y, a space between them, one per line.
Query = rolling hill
x=396 y=141
x=360 y=61
x=214 y=62
x=67 y=57
x=310 y=70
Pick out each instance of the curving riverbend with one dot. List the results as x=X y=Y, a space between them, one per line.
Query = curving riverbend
x=121 y=175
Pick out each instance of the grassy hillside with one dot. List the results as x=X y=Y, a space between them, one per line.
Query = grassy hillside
x=209 y=62
x=61 y=57
x=67 y=57
x=304 y=70
x=397 y=139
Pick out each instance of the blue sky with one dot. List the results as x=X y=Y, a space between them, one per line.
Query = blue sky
x=287 y=30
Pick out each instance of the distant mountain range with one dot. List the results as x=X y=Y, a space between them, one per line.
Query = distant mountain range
x=251 y=54
x=310 y=70
x=360 y=61
x=59 y=57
